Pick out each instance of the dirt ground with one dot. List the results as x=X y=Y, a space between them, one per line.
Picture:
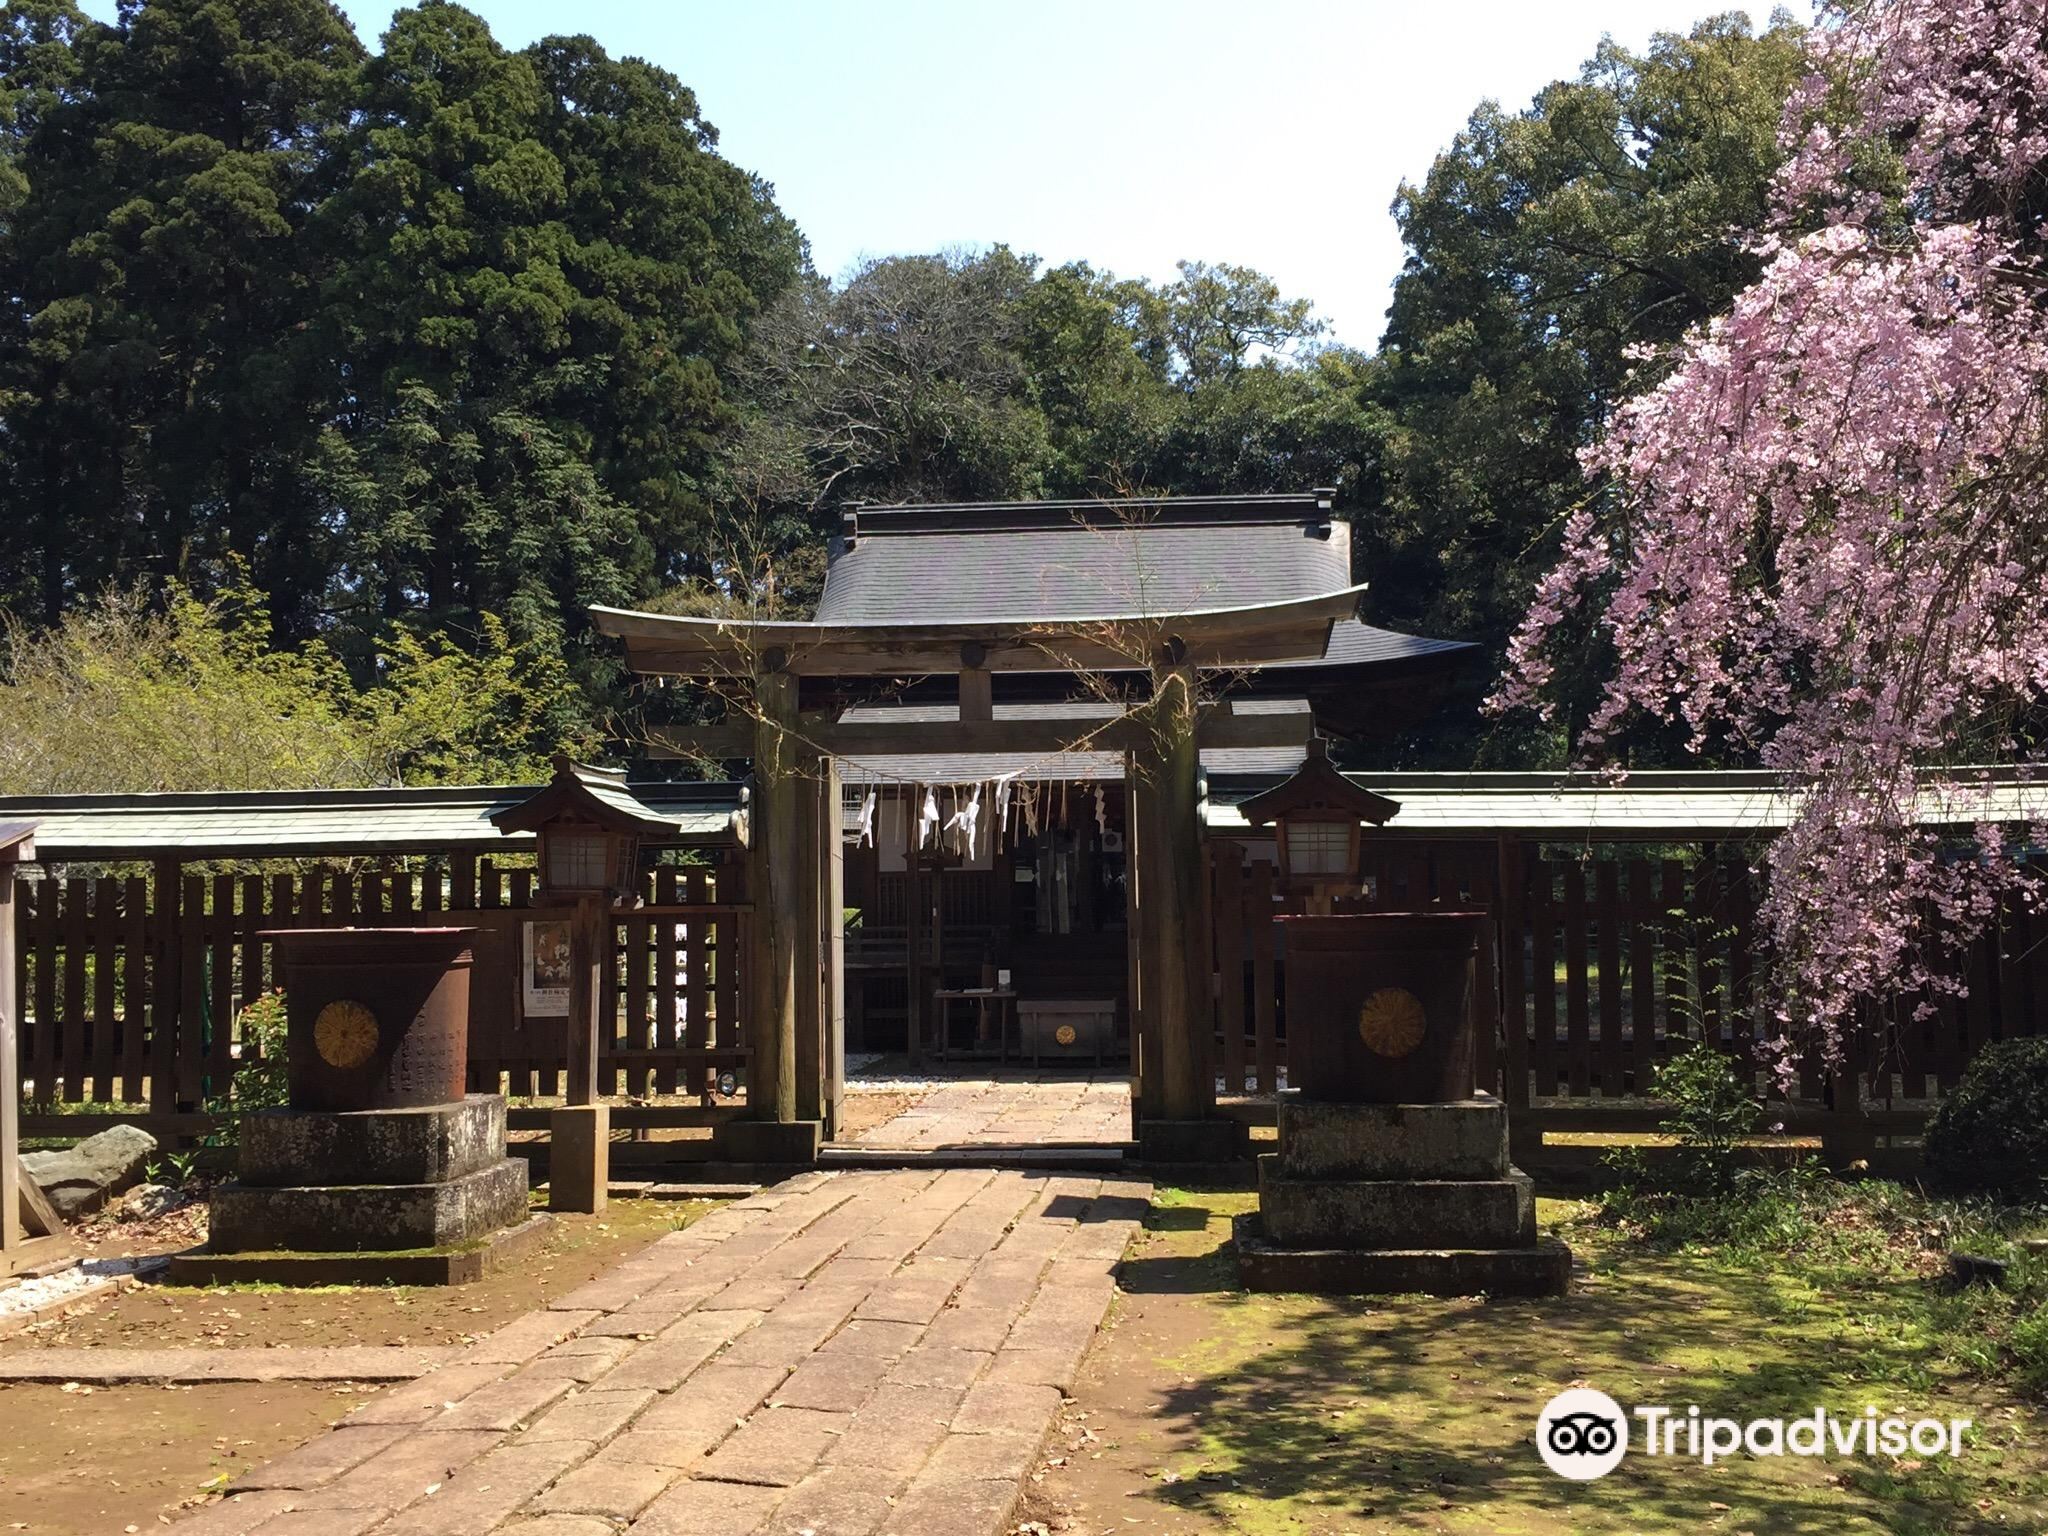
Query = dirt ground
x=1204 y=1410
x=87 y=1462
x=864 y=1111
x=153 y=1315
x=81 y=1460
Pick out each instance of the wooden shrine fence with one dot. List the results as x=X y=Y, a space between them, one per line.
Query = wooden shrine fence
x=132 y=987
x=1608 y=964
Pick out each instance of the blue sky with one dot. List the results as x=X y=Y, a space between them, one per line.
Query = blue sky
x=1131 y=133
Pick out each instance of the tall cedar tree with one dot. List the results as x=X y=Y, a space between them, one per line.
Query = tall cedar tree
x=424 y=335
x=161 y=399
x=1542 y=246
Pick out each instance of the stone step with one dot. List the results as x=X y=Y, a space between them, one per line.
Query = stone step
x=1396 y=1213
x=341 y=1218
x=347 y=1362
x=1543 y=1268
x=1045 y=1158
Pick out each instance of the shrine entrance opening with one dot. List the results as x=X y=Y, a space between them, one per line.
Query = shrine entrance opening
x=1009 y=948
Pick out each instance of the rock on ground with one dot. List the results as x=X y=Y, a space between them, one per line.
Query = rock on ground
x=81 y=1180
x=146 y=1202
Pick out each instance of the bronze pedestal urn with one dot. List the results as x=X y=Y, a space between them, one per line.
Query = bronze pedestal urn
x=382 y=1166
x=1392 y=1174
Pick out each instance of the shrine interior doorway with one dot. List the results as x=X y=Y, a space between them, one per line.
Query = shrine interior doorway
x=994 y=939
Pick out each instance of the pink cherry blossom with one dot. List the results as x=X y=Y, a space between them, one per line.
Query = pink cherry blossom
x=1823 y=537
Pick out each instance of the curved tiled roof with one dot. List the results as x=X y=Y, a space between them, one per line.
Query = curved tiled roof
x=975 y=561
x=1054 y=560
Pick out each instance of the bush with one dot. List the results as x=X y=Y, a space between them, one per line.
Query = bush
x=1710 y=1109
x=1991 y=1132
x=261 y=1079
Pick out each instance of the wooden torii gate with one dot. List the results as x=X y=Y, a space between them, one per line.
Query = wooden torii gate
x=795 y=972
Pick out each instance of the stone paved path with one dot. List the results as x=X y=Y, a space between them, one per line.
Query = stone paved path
x=843 y=1354
x=1002 y=1110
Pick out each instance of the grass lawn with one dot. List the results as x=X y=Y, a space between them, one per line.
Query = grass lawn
x=1206 y=1409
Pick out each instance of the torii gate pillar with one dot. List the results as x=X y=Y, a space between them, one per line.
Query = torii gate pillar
x=1174 y=1100
x=785 y=953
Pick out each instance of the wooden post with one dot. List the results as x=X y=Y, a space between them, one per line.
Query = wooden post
x=1847 y=1137
x=808 y=1039
x=41 y=1238
x=1144 y=1066
x=778 y=872
x=1172 y=959
x=976 y=694
x=11 y=1235
x=588 y=993
x=579 y=1133
x=834 y=921
x=913 y=932
x=1176 y=902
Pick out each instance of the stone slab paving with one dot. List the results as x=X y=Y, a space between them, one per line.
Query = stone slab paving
x=843 y=1354
x=1020 y=1110
x=346 y=1362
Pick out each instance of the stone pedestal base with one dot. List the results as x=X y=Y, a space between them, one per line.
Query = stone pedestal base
x=1542 y=1269
x=1465 y=1139
x=380 y=1146
x=343 y=1218
x=1389 y=1198
x=425 y=1183
x=580 y=1158
x=1192 y=1141
x=463 y=1264
x=1397 y=1213
x=791 y=1143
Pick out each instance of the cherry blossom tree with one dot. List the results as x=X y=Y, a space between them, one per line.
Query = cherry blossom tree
x=1822 y=538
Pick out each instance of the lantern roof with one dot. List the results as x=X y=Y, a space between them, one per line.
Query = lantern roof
x=17 y=842
x=589 y=794
x=1317 y=786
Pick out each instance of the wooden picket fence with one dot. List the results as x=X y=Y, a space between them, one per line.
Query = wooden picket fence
x=132 y=987
x=1608 y=964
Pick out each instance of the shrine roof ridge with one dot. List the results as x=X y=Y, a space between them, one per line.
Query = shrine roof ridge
x=868 y=519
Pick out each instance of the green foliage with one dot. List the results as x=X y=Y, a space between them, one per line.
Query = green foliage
x=962 y=377
x=124 y=697
x=422 y=335
x=1709 y=1110
x=261 y=1077
x=160 y=286
x=121 y=696
x=1542 y=246
x=1873 y=1252
x=445 y=714
x=1991 y=1130
x=174 y=1170
x=2027 y=1344
x=447 y=331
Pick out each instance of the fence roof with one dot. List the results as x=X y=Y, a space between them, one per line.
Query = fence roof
x=1645 y=806
x=250 y=824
